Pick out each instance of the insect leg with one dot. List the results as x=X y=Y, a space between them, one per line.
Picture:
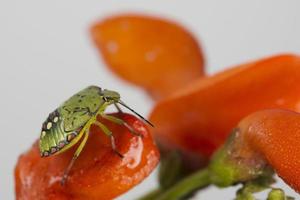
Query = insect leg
x=120 y=122
x=75 y=156
x=118 y=108
x=112 y=139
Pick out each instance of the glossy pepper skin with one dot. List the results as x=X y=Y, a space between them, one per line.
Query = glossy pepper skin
x=264 y=139
x=97 y=174
x=262 y=143
x=199 y=117
x=155 y=54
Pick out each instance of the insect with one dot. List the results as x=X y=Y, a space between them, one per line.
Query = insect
x=71 y=122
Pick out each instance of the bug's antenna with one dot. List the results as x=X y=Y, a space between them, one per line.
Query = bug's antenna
x=140 y=116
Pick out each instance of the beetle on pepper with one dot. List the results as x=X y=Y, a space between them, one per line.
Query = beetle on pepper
x=70 y=122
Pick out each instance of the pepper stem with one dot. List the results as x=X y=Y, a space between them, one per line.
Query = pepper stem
x=187 y=186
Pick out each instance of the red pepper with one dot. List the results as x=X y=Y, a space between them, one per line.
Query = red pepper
x=98 y=173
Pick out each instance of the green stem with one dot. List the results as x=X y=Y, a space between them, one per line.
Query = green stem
x=151 y=195
x=187 y=186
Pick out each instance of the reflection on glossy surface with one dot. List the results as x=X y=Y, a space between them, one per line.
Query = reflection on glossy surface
x=97 y=174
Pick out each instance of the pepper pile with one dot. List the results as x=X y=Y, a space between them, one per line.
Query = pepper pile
x=239 y=126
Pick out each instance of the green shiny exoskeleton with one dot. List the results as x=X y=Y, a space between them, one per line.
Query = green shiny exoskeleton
x=71 y=121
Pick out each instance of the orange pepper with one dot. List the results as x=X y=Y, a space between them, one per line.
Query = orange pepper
x=98 y=173
x=271 y=136
x=262 y=143
x=199 y=117
x=155 y=54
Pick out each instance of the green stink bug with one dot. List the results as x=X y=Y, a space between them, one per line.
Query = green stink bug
x=71 y=121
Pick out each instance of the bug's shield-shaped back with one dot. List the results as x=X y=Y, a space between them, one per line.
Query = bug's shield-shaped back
x=77 y=110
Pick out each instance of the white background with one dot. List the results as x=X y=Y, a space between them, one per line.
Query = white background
x=46 y=55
